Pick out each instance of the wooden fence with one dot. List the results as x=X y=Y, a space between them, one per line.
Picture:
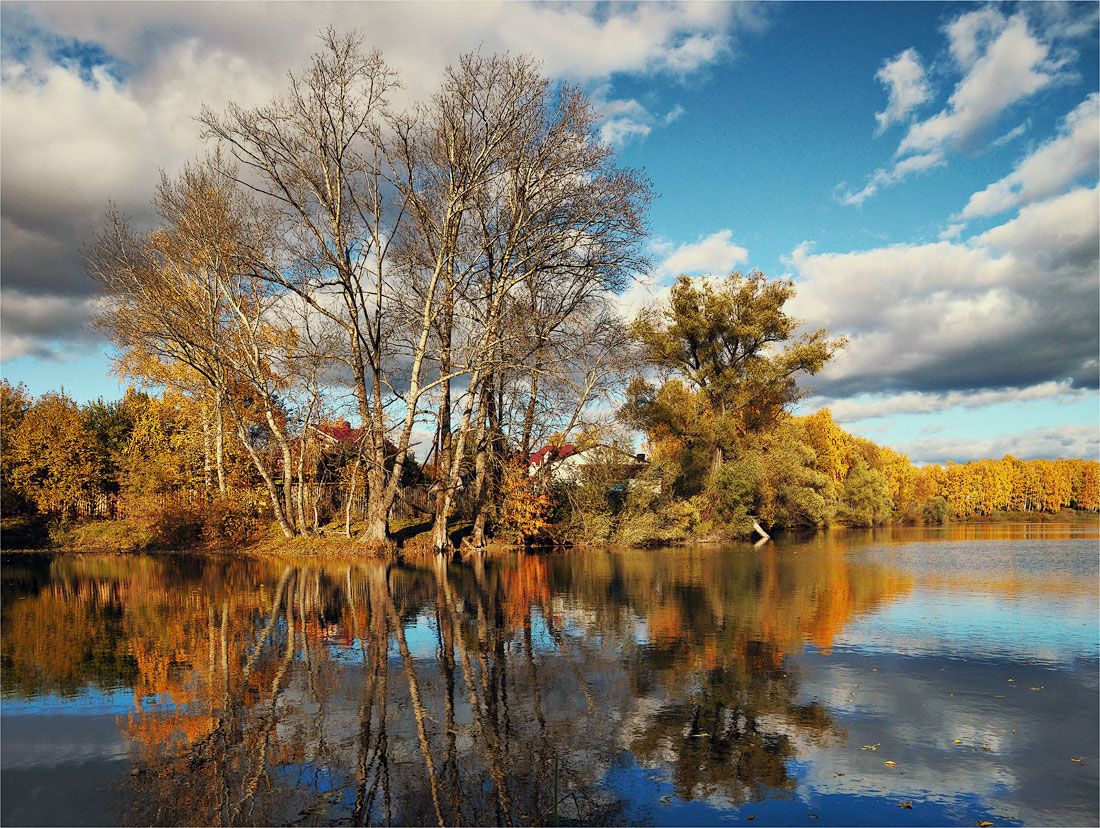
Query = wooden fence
x=412 y=502
x=113 y=505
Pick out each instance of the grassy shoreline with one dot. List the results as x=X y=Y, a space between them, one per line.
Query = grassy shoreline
x=126 y=536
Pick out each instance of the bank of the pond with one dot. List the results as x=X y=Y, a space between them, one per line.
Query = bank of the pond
x=410 y=538
x=128 y=536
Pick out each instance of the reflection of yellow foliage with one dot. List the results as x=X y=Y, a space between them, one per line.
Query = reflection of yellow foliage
x=744 y=611
x=525 y=586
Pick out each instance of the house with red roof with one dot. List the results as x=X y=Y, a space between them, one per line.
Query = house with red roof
x=568 y=464
x=344 y=436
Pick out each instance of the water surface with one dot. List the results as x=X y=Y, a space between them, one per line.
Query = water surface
x=829 y=680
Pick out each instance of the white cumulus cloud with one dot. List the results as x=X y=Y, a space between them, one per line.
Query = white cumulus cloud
x=1074 y=153
x=1011 y=308
x=1013 y=65
x=79 y=131
x=715 y=254
x=1000 y=61
x=888 y=177
x=906 y=85
x=1062 y=441
x=882 y=406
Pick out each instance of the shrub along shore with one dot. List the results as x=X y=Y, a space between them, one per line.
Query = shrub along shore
x=124 y=536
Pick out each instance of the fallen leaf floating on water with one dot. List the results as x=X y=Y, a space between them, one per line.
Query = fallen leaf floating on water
x=986 y=747
x=813 y=816
x=871 y=747
x=1039 y=688
x=849 y=700
x=908 y=805
x=890 y=764
x=983 y=824
x=1078 y=759
x=749 y=818
x=874 y=669
x=667 y=798
x=1012 y=679
x=958 y=741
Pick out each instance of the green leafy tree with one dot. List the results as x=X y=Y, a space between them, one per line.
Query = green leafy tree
x=113 y=423
x=731 y=339
x=936 y=510
x=772 y=478
x=865 y=500
x=792 y=491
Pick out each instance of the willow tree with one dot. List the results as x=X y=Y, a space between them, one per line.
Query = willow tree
x=731 y=340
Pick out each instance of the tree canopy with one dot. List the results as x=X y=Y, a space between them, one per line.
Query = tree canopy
x=732 y=340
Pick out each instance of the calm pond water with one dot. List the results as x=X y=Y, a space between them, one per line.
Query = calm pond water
x=834 y=680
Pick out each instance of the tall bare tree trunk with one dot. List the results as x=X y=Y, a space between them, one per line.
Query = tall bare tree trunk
x=207 y=457
x=219 y=442
x=525 y=446
x=269 y=481
x=351 y=492
x=443 y=456
x=300 y=499
x=486 y=428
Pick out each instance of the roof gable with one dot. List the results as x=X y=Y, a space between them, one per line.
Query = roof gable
x=548 y=453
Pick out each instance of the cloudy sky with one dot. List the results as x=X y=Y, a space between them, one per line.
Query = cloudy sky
x=926 y=173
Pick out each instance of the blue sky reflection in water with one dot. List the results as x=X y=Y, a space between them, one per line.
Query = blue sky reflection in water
x=695 y=686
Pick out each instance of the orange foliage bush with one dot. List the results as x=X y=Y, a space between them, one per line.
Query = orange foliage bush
x=524 y=506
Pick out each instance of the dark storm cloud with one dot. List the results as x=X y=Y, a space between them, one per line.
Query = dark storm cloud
x=1013 y=307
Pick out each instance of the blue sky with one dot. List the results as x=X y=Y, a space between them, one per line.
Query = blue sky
x=926 y=173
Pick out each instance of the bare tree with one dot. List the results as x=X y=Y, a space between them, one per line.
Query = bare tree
x=328 y=156
x=188 y=294
x=546 y=200
x=468 y=245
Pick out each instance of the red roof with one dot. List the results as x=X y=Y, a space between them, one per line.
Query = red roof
x=548 y=453
x=342 y=433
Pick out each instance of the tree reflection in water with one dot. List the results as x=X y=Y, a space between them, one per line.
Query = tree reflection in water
x=447 y=694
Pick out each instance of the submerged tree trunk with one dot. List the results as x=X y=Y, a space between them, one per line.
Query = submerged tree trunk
x=763 y=535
